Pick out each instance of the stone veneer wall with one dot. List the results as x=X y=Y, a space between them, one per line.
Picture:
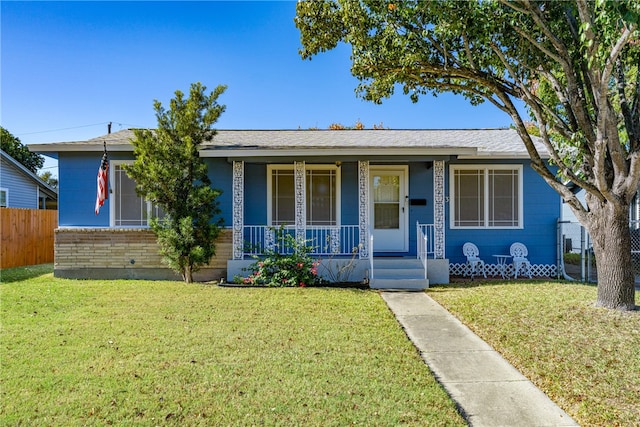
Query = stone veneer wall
x=125 y=253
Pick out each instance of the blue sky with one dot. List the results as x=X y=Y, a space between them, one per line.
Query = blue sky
x=69 y=68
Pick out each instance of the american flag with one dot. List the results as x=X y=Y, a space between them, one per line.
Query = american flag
x=103 y=181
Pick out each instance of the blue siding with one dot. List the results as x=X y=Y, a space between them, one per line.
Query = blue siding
x=541 y=204
x=255 y=194
x=77 y=177
x=420 y=187
x=220 y=173
x=23 y=192
x=349 y=214
x=541 y=209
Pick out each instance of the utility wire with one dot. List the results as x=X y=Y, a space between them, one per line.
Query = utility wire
x=79 y=127
x=61 y=129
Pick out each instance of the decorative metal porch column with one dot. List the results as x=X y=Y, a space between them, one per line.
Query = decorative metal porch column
x=363 y=208
x=438 y=208
x=238 y=210
x=300 y=194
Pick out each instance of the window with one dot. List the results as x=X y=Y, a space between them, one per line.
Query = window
x=128 y=209
x=283 y=210
x=486 y=196
x=321 y=200
x=4 y=197
x=321 y=197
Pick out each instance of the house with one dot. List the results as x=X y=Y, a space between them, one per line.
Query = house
x=390 y=195
x=21 y=188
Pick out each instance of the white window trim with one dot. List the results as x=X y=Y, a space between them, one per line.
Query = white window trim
x=113 y=192
x=271 y=168
x=486 y=168
x=6 y=197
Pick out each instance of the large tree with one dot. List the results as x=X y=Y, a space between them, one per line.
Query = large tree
x=169 y=172
x=20 y=152
x=574 y=64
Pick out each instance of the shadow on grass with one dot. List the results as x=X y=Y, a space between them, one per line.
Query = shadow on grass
x=332 y=285
x=17 y=274
x=458 y=282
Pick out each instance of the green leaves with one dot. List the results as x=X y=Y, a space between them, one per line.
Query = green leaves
x=20 y=152
x=320 y=25
x=287 y=264
x=556 y=57
x=573 y=63
x=169 y=173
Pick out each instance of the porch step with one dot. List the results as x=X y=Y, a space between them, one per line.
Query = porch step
x=398 y=273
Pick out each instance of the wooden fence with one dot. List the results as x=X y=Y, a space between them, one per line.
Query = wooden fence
x=27 y=236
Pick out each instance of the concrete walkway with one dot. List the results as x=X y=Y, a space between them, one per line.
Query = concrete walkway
x=488 y=390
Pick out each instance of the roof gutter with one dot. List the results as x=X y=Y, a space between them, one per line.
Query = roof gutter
x=245 y=153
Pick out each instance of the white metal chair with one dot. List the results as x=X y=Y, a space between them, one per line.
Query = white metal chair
x=474 y=264
x=519 y=253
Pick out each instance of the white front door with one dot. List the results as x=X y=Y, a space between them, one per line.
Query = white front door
x=389 y=208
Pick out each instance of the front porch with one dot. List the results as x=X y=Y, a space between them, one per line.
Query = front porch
x=344 y=257
x=369 y=191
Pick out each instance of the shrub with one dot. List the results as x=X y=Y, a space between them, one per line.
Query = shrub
x=286 y=264
x=576 y=259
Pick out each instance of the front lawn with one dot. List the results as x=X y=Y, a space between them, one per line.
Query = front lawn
x=584 y=358
x=167 y=353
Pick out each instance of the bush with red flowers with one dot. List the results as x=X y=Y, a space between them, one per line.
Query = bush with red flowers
x=286 y=264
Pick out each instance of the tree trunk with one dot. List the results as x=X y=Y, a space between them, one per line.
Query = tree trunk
x=611 y=237
x=187 y=274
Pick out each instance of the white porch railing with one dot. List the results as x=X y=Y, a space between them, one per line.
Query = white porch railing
x=426 y=247
x=330 y=240
x=370 y=234
x=422 y=238
x=325 y=240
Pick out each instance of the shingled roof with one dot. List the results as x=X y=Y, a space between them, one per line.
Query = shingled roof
x=464 y=143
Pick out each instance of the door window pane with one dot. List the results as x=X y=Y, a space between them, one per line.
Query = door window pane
x=386 y=202
x=386 y=216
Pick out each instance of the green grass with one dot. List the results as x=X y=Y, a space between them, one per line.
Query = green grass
x=166 y=353
x=584 y=358
x=9 y=275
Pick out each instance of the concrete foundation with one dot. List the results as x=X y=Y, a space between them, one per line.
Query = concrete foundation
x=346 y=270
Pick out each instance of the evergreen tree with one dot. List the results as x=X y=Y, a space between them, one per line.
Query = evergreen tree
x=169 y=172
